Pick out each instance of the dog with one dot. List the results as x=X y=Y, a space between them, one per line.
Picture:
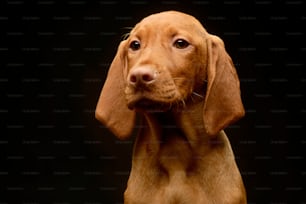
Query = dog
x=180 y=79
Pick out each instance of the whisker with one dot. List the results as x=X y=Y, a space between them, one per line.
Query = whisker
x=125 y=36
x=198 y=95
x=183 y=103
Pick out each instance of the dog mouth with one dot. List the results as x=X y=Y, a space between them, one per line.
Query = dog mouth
x=154 y=99
x=149 y=105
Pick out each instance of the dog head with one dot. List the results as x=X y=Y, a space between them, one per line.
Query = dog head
x=167 y=59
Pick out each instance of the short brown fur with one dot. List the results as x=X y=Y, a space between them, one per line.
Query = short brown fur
x=187 y=94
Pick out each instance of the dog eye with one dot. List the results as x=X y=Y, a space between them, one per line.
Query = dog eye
x=135 y=45
x=181 y=44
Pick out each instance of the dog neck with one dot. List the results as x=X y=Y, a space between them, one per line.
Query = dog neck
x=186 y=123
x=176 y=136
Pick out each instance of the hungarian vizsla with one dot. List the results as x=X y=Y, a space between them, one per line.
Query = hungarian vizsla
x=179 y=77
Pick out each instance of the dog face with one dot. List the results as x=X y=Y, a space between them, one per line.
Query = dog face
x=164 y=61
x=168 y=59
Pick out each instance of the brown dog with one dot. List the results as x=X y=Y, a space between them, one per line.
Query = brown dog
x=184 y=84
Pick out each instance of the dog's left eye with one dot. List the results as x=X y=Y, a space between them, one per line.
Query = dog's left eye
x=135 y=45
x=181 y=44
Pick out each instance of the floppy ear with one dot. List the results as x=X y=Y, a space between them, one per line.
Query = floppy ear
x=112 y=109
x=223 y=103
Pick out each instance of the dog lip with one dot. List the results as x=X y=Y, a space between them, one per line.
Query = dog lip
x=148 y=99
x=147 y=104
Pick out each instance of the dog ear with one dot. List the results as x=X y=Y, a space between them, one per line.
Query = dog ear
x=112 y=109
x=223 y=103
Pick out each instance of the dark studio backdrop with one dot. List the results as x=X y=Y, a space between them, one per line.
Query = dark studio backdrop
x=54 y=60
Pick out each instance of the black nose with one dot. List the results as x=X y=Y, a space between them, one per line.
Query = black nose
x=142 y=75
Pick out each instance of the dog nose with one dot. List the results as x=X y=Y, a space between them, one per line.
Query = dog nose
x=142 y=75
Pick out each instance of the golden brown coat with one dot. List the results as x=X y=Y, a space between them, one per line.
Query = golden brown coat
x=181 y=80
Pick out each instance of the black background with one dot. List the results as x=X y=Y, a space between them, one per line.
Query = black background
x=54 y=57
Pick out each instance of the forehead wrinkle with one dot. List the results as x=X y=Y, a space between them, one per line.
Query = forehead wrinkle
x=169 y=22
x=144 y=34
x=158 y=28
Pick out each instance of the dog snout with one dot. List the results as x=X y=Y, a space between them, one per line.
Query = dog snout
x=142 y=75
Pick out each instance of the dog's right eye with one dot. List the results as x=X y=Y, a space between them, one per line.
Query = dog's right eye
x=135 y=45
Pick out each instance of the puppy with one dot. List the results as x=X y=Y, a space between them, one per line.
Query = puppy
x=181 y=80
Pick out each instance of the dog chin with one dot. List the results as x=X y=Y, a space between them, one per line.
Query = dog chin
x=148 y=105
